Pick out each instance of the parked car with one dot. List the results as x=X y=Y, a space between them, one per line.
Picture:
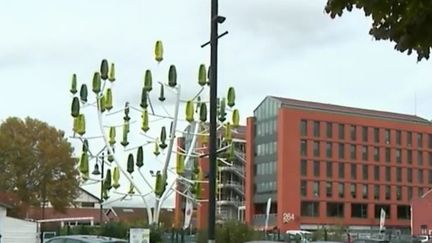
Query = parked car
x=84 y=239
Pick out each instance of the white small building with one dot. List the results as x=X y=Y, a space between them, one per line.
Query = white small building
x=13 y=230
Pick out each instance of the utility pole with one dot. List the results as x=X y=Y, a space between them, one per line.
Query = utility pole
x=214 y=20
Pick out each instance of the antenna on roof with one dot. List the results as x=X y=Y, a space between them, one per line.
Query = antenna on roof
x=415 y=103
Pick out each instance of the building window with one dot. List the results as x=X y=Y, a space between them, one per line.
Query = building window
x=329 y=150
x=409 y=193
x=316 y=128
x=353 y=133
x=316 y=149
x=341 y=190
x=376 y=135
x=303 y=147
x=365 y=172
x=359 y=210
x=335 y=210
x=387 y=155
x=316 y=168
x=353 y=190
x=365 y=152
x=430 y=177
x=399 y=174
x=398 y=137
x=398 y=193
x=429 y=158
x=364 y=134
x=376 y=154
x=365 y=191
x=303 y=128
x=329 y=189
x=379 y=207
x=329 y=169
x=387 y=136
x=409 y=139
x=329 y=130
x=353 y=151
x=341 y=131
x=309 y=209
x=409 y=156
x=303 y=188
x=404 y=212
x=409 y=175
x=387 y=193
x=341 y=151
x=430 y=141
x=420 y=157
x=420 y=176
x=419 y=140
x=341 y=170
x=388 y=173
x=420 y=192
x=398 y=156
x=376 y=172
x=303 y=167
x=376 y=192
x=316 y=188
x=87 y=204
x=353 y=171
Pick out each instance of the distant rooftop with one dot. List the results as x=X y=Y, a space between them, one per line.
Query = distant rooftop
x=308 y=105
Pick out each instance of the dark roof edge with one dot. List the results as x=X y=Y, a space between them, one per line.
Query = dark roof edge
x=310 y=105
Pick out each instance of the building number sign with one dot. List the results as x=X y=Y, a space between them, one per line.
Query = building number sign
x=287 y=217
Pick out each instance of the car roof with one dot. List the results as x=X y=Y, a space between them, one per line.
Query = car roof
x=90 y=238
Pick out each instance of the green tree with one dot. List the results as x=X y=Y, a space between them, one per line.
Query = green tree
x=405 y=22
x=36 y=161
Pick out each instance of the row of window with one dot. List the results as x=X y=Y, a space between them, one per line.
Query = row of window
x=366 y=170
x=398 y=154
x=266 y=149
x=354 y=131
x=266 y=186
x=266 y=168
x=264 y=128
x=358 y=210
x=267 y=109
x=358 y=191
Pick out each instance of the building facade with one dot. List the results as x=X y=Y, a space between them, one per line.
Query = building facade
x=230 y=181
x=325 y=164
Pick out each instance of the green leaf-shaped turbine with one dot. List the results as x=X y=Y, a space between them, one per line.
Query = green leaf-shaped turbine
x=148 y=81
x=112 y=74
x=83 y=93
x=202 y=75
x=75 y=107
x=104 y=69
x=203 y=112
x=140 y=157
x=96 y=82
x=172 y=76
x=159 y=51
x=73 y=89
x=145 y=121
x=189 y=111
x=108 y=99
x=231 y=97
x=130 y=164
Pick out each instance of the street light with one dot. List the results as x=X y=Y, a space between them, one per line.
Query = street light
x=215 y=19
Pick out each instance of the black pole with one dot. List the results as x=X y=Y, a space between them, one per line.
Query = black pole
x=213 y=121
x=101 y=193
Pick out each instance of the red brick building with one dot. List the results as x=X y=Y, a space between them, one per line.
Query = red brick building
x=422 y=215
x=325 y=164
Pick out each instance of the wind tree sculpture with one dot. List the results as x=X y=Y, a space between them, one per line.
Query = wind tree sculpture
x=164 y=146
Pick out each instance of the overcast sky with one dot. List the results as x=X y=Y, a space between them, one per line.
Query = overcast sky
x=275 y=47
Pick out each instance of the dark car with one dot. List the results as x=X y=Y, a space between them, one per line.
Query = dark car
x=84 y=239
